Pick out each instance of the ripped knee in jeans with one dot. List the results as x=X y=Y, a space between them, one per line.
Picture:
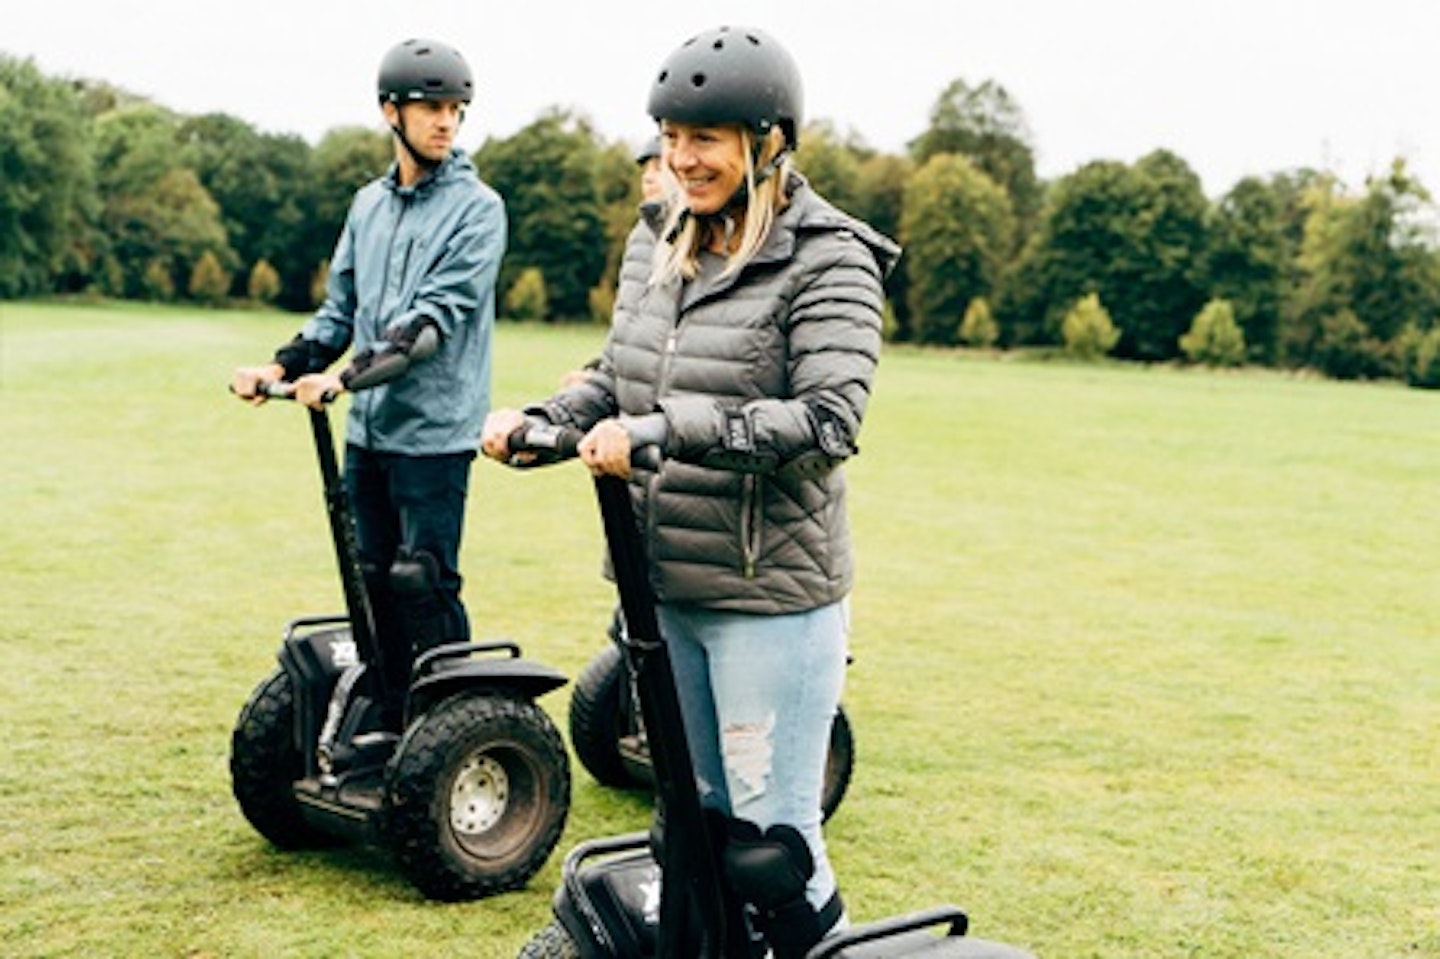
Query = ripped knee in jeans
x=748 y=754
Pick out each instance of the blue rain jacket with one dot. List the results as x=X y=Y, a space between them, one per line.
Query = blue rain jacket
x=432 y=250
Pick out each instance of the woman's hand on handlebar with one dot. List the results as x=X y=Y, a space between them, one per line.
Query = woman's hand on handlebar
x=495 y=434
x=606 y=449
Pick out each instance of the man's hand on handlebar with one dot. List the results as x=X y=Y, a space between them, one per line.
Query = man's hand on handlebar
x=246 y=381
x=317 y=389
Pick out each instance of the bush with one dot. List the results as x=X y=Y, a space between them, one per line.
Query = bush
x=318 y=282
x=978 y=328
x=157 y=282
x=526 y=299
x=264 y=284
x=1346 y=350
x=602 y=302
x=1087 y=329
x=1215 y=339
x=1420 y=356
x=209 y=282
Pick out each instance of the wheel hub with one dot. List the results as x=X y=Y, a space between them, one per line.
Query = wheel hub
x=479 y=796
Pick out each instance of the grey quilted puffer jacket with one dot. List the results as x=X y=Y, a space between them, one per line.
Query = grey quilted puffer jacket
x=763 y=378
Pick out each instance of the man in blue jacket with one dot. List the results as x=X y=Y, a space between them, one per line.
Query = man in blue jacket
x=416 y=261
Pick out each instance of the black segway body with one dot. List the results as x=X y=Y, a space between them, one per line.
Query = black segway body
x=469 y=792
x=614 y=901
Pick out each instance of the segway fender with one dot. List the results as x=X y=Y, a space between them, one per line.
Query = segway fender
x=907 y=935
x=450 y=669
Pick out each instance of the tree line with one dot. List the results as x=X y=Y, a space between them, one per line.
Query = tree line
x=106 y=193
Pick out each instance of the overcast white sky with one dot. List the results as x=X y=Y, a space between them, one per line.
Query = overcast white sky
x=1233 y=86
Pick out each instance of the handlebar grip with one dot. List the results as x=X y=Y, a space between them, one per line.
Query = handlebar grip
x=551 y=442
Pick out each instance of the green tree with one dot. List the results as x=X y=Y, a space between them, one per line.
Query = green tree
x=831 y=164
x=1087 y=330
x=154 y=207
x=987 y=125
x=1370 y=258
x=957 y=227
x=1134 y=235
x=48 y=199
x=266 y=195
x=1215 y=338
x=550 y=176
x=1255 y=233
x=880 y=201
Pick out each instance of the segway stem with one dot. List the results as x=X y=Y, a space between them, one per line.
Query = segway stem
x=347 y=555
x=693 y=889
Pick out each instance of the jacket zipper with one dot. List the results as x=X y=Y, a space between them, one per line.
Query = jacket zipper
x=750 y=524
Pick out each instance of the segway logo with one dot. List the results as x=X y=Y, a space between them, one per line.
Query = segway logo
x=343 y=653
x=651 y=909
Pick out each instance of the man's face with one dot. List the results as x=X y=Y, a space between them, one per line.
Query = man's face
x=429 y=125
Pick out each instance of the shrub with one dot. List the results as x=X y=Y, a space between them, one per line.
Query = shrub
x=157 y=282
x=526 y=299
x=264 y=284
x=1087 y=329
x=1346 y=350
x=318 y=282
x=1420 y=356
x=1215 y=339
x=602 y=302
x=209 y=282
x=978 y=327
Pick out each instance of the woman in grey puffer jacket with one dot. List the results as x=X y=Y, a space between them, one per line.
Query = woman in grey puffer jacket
x=744 y=342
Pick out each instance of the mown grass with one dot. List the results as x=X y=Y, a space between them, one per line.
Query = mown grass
x=1146 y=659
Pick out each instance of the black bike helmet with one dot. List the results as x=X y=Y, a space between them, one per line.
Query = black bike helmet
x=731 y=75
x=648 y=152
x=424 y=70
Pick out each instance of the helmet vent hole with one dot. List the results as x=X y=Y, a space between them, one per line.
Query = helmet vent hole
x=697 y=80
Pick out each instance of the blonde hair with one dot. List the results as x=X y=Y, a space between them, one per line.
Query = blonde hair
x=683 y=237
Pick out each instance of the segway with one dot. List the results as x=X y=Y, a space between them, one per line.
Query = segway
x=607 y=731
x=639 y=896
x=470 y=791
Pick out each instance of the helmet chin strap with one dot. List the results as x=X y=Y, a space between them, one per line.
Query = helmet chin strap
x=422 y=161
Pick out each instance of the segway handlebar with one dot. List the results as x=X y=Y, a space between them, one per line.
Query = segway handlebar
x=549 y=443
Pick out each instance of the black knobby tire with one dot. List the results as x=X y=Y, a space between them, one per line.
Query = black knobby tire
x=552 y=942
x=839 y=763
x=476 y=796
x=264 y=764
x=601 y=713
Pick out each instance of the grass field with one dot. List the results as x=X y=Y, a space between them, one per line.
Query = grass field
x=1146 y=659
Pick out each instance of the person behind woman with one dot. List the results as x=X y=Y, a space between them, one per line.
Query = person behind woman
x=744 y=342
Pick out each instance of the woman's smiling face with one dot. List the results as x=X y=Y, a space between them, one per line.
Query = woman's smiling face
x=708 y=162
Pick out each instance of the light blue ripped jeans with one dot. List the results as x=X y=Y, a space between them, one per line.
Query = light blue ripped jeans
x=758 y=695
